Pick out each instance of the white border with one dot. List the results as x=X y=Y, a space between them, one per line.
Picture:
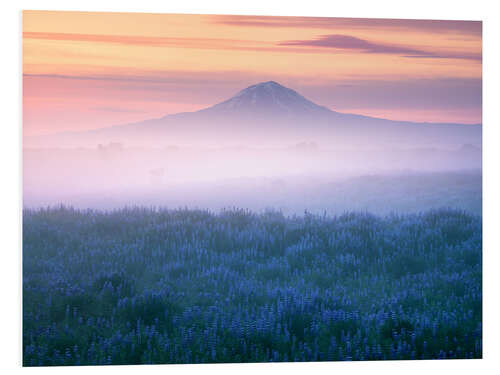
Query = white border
x=10 y=152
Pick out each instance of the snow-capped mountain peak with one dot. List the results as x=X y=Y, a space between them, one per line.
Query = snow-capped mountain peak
x=268 y=98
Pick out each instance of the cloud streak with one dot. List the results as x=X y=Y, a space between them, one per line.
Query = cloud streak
x=145 y=41
x=162 y=42
x=469 y=28
x=354 y=44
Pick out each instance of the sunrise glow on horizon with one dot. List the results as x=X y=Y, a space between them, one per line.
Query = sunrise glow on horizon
x=91 y=70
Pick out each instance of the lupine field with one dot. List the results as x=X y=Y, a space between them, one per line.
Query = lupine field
x=151 y=286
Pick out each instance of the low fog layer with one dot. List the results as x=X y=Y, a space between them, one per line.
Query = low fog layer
x=293 y=179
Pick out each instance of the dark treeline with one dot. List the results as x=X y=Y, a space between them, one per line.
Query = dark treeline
x=189 y=286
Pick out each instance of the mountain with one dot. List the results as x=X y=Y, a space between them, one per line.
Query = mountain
x=268 y=99
x=269 y=114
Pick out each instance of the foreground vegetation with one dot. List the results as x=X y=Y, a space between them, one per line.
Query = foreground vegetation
x=188 y=286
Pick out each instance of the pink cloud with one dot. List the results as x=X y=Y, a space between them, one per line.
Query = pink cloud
x=351 y=43
x=467 y=28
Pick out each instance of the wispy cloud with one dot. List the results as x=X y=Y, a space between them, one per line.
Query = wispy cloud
x=471 y=28
x=352 y=43
x=348 y=42
x=163 y=42
x=132 y=40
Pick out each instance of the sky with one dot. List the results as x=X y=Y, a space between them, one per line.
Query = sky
x=86 y=70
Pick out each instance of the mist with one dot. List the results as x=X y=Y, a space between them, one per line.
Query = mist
x=293 y=178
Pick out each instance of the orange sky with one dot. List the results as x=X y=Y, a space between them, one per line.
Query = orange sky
x=88 y=70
